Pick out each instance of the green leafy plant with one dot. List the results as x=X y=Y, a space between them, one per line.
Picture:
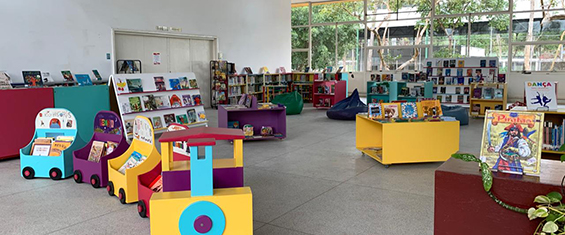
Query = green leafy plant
x=549 y=207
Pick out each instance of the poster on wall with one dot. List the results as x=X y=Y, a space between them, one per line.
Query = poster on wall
x=156 y=58
x=541 y=95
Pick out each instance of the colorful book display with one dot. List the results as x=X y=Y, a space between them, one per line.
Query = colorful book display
x=512 y=141
x=541 y=95
x=426 y=110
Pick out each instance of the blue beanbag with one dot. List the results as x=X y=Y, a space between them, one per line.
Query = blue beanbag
x=458 y=112
x=347 y=108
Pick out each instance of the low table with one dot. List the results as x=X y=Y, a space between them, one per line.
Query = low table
x=463 y=207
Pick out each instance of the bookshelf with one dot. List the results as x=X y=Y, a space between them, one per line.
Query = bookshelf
x=303 y=83
x=328 y=93
x=485 y=96
x=254 y=85
x=219 y=77
x=414 y=91
x=236 y=87
x=556 y=118
x=381 y=92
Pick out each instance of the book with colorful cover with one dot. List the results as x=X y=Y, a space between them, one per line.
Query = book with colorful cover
x=157 y=184
x=193 y=84
x=196 y=99
x=83 y=80
x=32 y=78
x=201 y=116
x=135 y=104
x=129 y=126
x=187 y=100
x=391 y=110
x=96 y=151
x=110 y=147
x=375 y=111
x=160 y=83
x=57 y=147
x=134 y=85
x=96 y=74
x=460 y=63
x=121 y=86
x=409 y=110
x=191 y=113
x=162 y=102
x=184 y=83
x=134 y=159
x=169 y=118
x=182 y=119
x=175 y=101
x=512 y=141
x=431 y=108
x=157 y=122
x=149 y=102
x=175 y=84
x=68 y=76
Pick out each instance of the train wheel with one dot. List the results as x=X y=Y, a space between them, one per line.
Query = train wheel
x=110 y=188
x=77 y=176
x=122 y=196
x=28 y=173
x=142 y=209
x=95 y=181
x=55 y=174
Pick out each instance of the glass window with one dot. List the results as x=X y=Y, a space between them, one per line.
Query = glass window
x=337 y=11
x=526 y=5
x=350 y=38
x=448 y=7
x=379 y=10
x=299 y=38
x=398 y=33
x=490 y=39
x=548 y=57
x=323 y=46
x=450 y=37
x=534 y=27
x=299 y=15
x=299 y=60
x=396 y=59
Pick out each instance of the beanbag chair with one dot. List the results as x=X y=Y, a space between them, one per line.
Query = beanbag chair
x=293 y=102
x=347 y=108
x=458 y=112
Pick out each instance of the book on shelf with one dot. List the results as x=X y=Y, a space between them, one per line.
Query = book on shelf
x=96 y=75
x=157 y=122
x=58 y=146
x=476 y=109
x=193 y=84
x=445 y=63
x=182 y=119
x=134 y=85
x=96 y=151
x=184 y=83
x=483 y=63
x=488 y=93
x=491 y=63
x=134 y=160
x=135 y=104
x=409 y=110
x=477 y=92
x=175 y=101
x=553 y=135
x=67 y=76
x=169 y=119
x=149 y=102
x=375 y=111
x=390 y=110
x=40 y=149
x=196 y=99
x=431 y=108
x=162 y=102
x=129 y=126
x=46 y=76
x=461 y=63
x=187 y=100
x=191 y=114
x=32 y=78
x=121 y=86
x=83 y=79
x=201 y=116
x=174 y=83
x=110 y=147
x=160 y=83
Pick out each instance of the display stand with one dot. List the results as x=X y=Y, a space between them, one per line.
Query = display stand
x=51 y=122
x=181 y=112
x=414 y=91
x=374 y=96
x=107 y=127
x=255 y=84
x=274 y=117
x=406 y=142
x=143 y=143
x=303 y=84
x=479 y=104
x=236 y=85
x=203 y=210
x=461 y=205
x=218 y=74
x=328 y=93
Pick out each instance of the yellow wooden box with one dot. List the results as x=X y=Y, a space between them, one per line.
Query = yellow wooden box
x=406 y=142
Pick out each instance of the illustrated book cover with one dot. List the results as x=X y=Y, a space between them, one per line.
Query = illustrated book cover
x=431 y=108
x=541 y=95
x=160 y=83
x=391 y=110
x=135 y=104
x=409 y=110
x=32 y=78
x=134 y=85
x=375 y=111
x=83 y=79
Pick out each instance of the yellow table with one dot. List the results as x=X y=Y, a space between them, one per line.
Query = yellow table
x=406 y=142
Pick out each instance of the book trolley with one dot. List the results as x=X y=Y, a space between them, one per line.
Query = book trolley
x=203 y=209
x=125 y=185
x=51 y=122
x=107 y=127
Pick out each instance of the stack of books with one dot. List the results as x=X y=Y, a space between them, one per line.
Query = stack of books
x=49 y=146
x=134 y=160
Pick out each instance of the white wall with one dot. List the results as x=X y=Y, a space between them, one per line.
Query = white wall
x=516 y=81
x=55 y=35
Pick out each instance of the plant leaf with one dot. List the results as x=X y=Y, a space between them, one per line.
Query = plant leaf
x=562 y=148
x=554 y=197
x=531 y=215
x=542 y=199
x=487 y=176
x=562 y=158
x=550 y=227
x=552 y=216
x=541 y=213
x=465 y=157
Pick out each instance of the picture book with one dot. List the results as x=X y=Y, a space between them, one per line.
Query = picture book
x=125 y=107
x=157 y=122
x=428 y=64
x=375 y=111
x=483 y=63
x=459 y=72
x=83 y=79
x=492 y=63
x=157 y=184
x=390 y=110
x=460 y=80
x=175 y=84
x=32 y=78
x=110 y=147
x=135 y=104
x=441 y=80
x=477 y=93
x=169 y=118
x=469 y=72
x=46 y=76
x=121 y=86
x=134 y=160
x=57 y=147
x=134 y=85
x=129 y=126
x=193 y=84
x=431 y=108
x=96 y=75
x=409 y=110
x=233 y=124
x=452 y=63
x=149 y=102
x=182 y=119
x=184 y=83
x=187 y=100
x=498 y=93
x=449 y=81
x=68 y=76
x=162 y=102
x=460 y=99
x=439 y=72
x=488 y=93
x=457 y=90
x=447 y=72
x=40 y=149
x=512 y=141
x=196 y=99
x=440 y=98
x=466 y=90
x=175 y=101
x=502 y=78
x=476 y=109
x=460 y=63
x=446 y=63
x=96 y=151
x=160 y=83
x=191 y=114
x=541 y=95
x=201 y=116
x=448 y=98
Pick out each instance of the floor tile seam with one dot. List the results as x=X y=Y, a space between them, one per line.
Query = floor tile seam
x=387 y=189
x=294 y=174
x=33 y=189
x=291 y=229
x=110 y=212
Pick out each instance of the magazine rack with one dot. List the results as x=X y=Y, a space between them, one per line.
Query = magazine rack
x=144 y=180
x=51 y=122
x=203 y=210
x=107 y=127
x=125 y=185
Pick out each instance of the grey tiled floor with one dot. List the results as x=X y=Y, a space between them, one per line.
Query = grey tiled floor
x=313 y=182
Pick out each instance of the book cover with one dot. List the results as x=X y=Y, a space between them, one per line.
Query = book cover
x=157 y=184
x=431 y=108
x=498 y=93
x=129 y=126
x=135 y=104
x=96 y=151
x=97 y=75
x=191 y=114
x=182 y=119
x=169 y=118
x=448 y=99
x=233 y=124
x=442 y=90
x=460 y=63
x=512 y=140
x=434 y=90
x=446 y=63
x=110 y=147
x=502 y=78
x=193 y=84
x=469 y=72
x=440 y=98
x=541 y=95
x=439 y=72
x=441 y=80
x=459 y=72
x=149 y=102
x=68 y=76
x=121 y=85
x=32 y=78
x=162 y=102
x=488 y=93
x=477 y=93
x=134 y=85
x=201 y=116
x=175 y=101
x=197 y=101
x=460 y=81
x=452 y=63
x=449 y=81
x=375 y=111
x=57 y=147
x=390 y=110
x=447 y=72
x=460 y=99
x=483 y=63
x=466 y=90
x=46 y=76
x=492 y=63
x=174 y=83
x=428 y=64
x=187 y=100
x=83 y=79
x=184 y=83
x=498 y=107
x=160 y=83
x=409 y=110
x=476 y=109
x=457 y=90
x=40 y=149
x=157 y=122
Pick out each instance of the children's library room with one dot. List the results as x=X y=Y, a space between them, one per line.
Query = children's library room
x=283 y=117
